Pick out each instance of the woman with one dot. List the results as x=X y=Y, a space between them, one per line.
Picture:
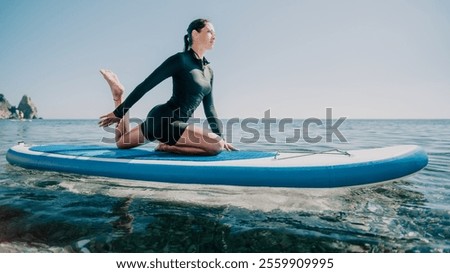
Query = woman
x=192 y=84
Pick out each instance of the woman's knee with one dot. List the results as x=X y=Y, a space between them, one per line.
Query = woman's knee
x=131 y=139
x=121 y=145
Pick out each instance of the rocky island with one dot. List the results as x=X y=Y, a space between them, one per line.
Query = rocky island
x=25 y=110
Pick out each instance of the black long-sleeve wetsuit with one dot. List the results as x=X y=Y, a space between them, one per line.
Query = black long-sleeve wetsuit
x=192 y=84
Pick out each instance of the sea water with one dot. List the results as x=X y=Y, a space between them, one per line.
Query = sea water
x=44 y=211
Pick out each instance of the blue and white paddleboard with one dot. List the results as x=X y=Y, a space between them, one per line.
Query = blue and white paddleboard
x=243 y=168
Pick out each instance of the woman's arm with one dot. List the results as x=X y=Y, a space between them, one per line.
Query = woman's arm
x=214 y=123
x=164 y=71
x=210 y=112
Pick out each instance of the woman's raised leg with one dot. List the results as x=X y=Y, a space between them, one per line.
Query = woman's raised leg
x=124 y=137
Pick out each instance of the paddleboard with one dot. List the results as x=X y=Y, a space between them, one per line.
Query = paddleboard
x=322 y=169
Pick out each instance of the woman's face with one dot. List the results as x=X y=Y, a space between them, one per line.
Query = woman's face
x=206 y=37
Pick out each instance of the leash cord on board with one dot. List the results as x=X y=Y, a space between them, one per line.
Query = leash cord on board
x=333 y=151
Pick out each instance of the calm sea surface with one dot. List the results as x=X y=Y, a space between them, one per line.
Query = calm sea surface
x=54 y=212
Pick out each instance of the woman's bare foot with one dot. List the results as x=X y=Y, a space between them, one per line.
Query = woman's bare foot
x=117 y=88
x=161 y=147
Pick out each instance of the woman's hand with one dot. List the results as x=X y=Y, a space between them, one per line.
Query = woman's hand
x=108 y=119
x=227 y=146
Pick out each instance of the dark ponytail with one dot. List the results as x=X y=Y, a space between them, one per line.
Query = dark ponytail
x=186 y=42
x=197 y=25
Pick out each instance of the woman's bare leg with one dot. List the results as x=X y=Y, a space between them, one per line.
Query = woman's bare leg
x=124 y=137
x=195 y=141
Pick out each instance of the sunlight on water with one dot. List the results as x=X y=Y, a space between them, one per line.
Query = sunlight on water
x=258 y=198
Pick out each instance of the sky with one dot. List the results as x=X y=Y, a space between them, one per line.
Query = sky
x=364 y=59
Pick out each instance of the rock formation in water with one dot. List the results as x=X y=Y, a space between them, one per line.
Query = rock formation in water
x=27 y=107
x=25 y=110
x=4 y=107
